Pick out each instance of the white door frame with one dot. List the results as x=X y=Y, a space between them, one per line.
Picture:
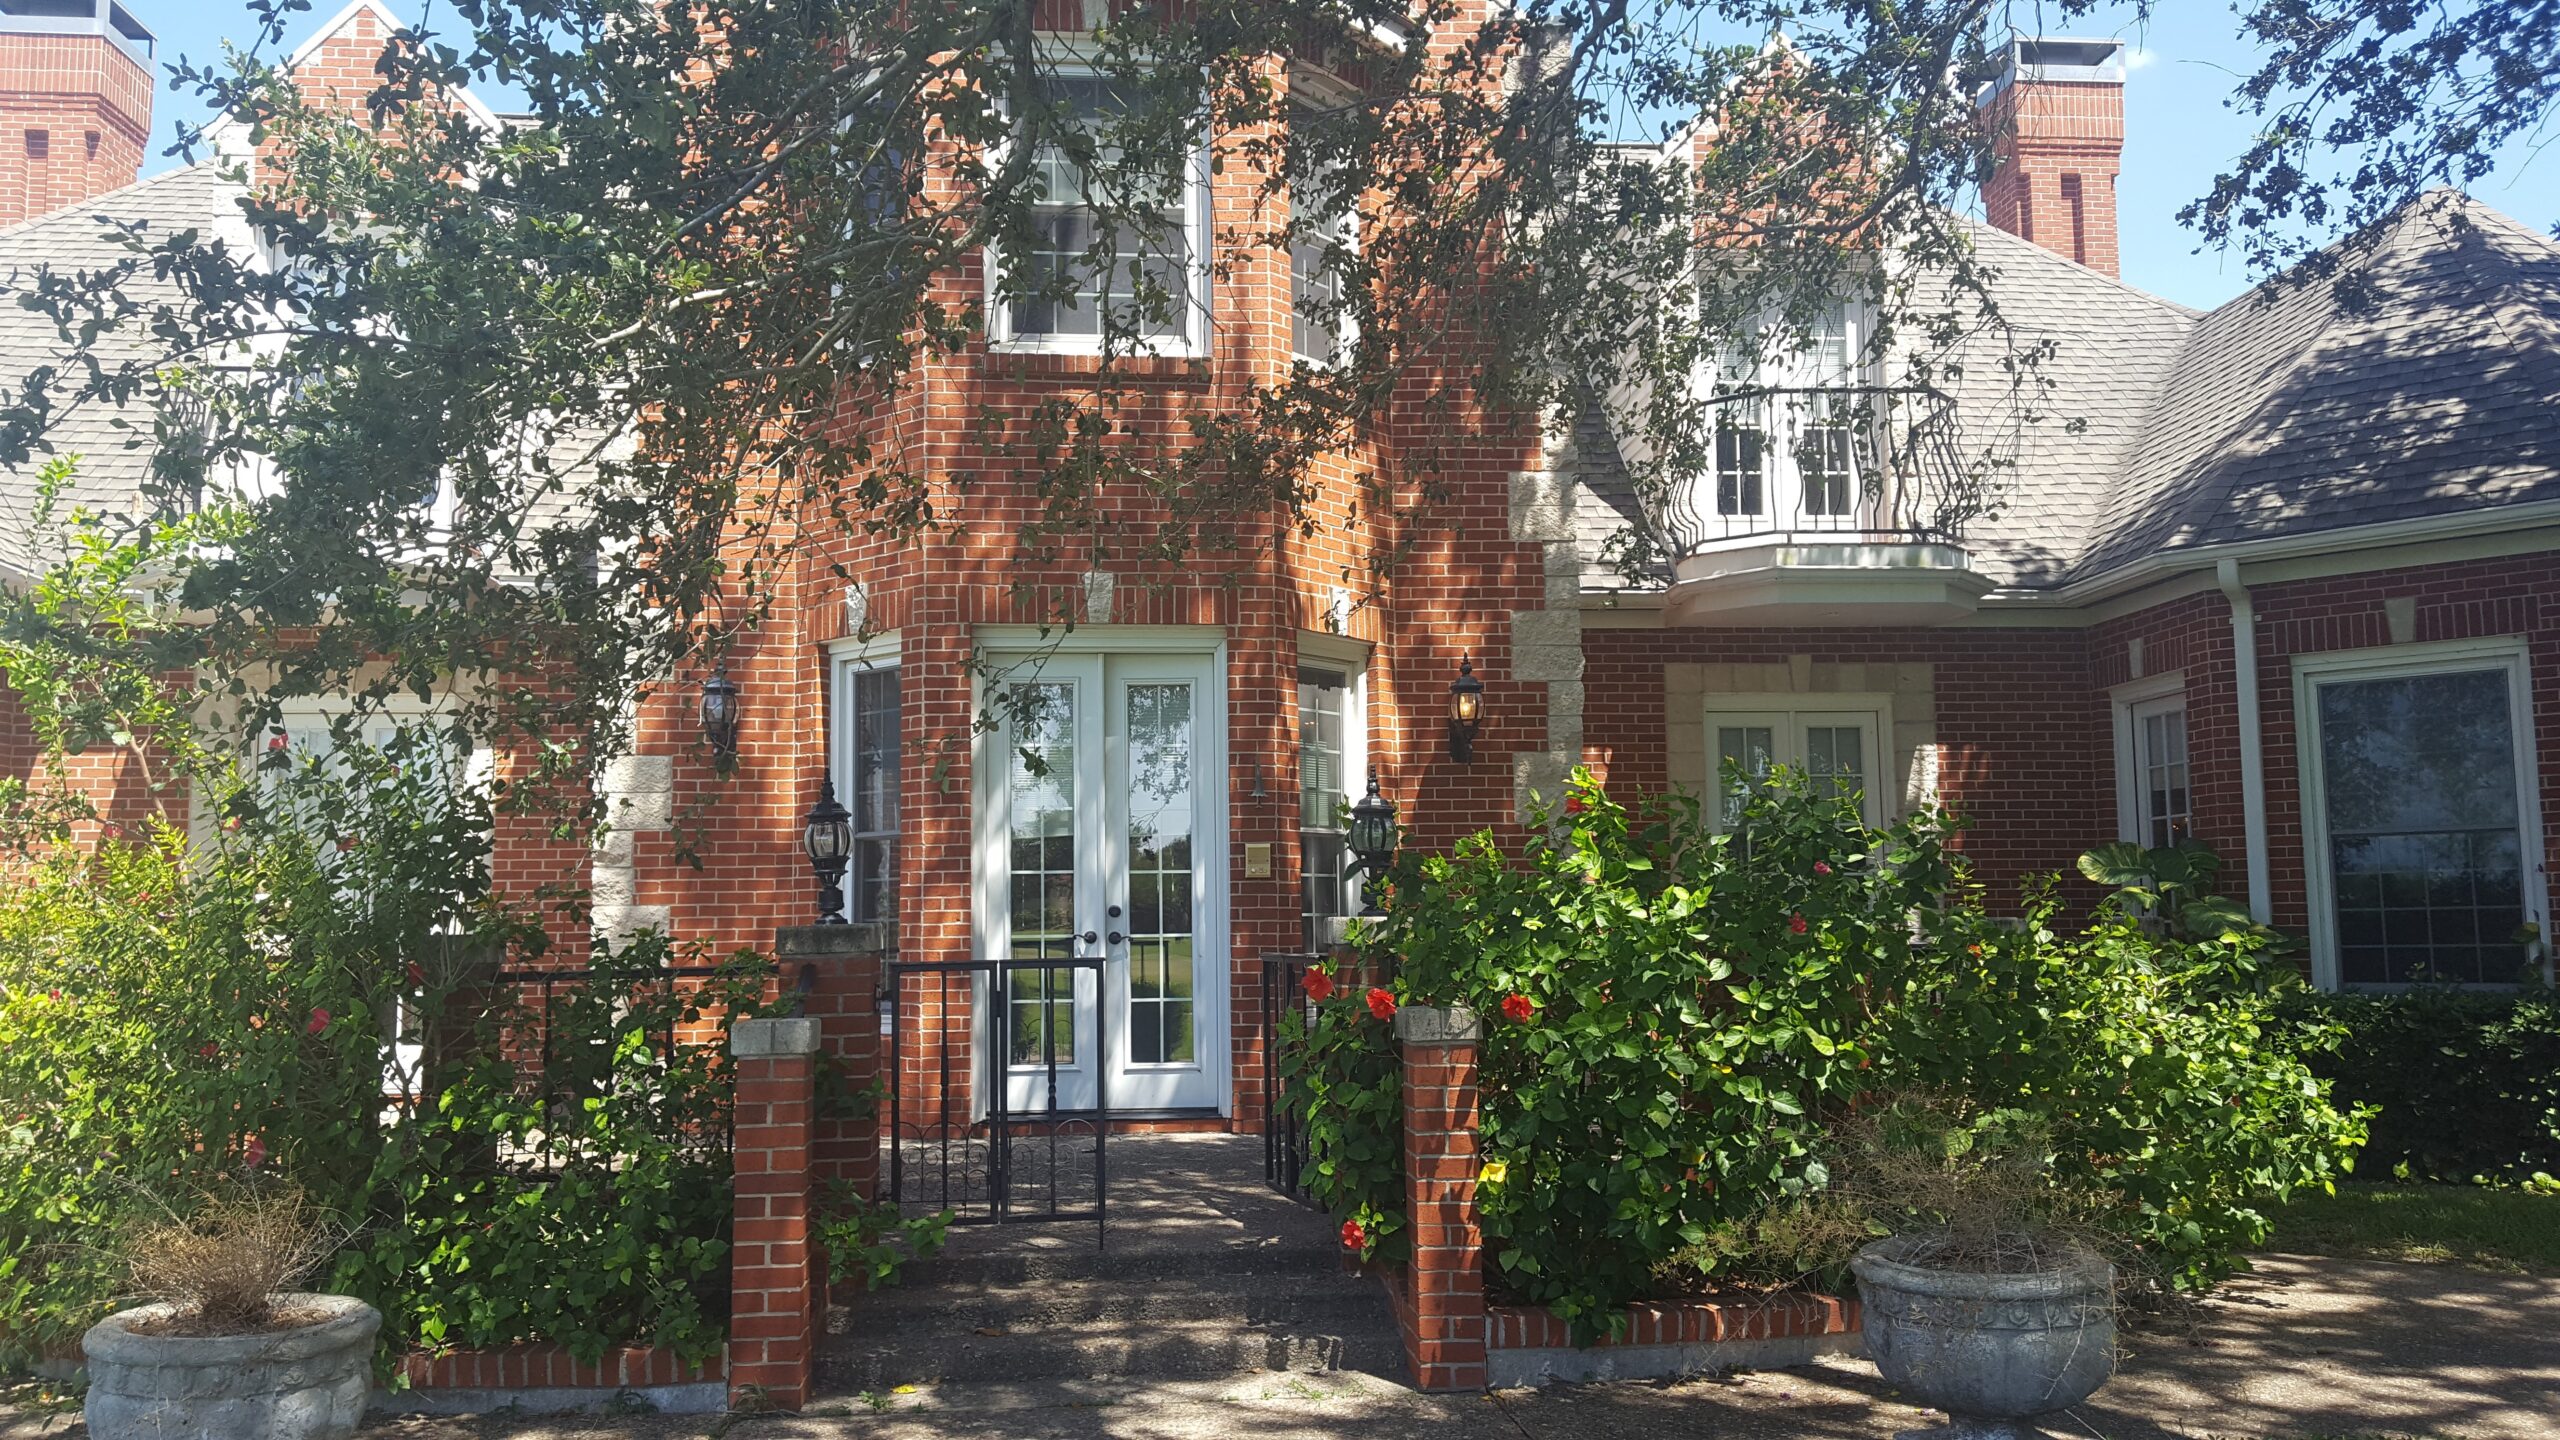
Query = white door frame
x=1014 y=653
x=2390 y=662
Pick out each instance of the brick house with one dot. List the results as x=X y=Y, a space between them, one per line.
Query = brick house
x=2277 y=584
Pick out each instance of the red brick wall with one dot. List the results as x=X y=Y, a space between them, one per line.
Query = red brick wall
x=75 y=114
x=1451 y=597
x=2023 y=740
x=2456 y=601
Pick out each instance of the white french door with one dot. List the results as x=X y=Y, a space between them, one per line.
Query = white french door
x=1101 y=835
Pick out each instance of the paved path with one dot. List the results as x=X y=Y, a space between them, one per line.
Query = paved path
x=2307 y=1348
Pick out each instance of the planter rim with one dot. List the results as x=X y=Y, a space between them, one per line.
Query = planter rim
x=344 y=1321
x=1881 y=1263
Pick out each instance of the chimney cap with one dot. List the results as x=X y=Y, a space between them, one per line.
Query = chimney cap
x=104 y=18
x=2056 y=59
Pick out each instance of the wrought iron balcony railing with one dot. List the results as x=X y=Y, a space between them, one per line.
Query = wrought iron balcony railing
x=1867 y=462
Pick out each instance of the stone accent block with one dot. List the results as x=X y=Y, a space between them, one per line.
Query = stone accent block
x=773 y=1036
x=1542 y=506
x=1437 y=1025
x=1546 y=645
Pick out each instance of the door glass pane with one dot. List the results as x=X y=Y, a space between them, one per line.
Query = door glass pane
x=1835 y=759
x=1042 y=788
x=1749 y=751
x=2418 y=777
x=1160 y=834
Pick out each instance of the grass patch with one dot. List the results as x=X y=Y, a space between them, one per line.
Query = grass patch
x=2509 y=1230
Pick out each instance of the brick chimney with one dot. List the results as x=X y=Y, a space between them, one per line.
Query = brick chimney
x=2056 y=116
x=75 y=103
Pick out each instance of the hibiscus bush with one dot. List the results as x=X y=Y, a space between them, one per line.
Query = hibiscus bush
x=1677 y=1016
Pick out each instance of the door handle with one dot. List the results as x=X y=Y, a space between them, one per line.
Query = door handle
x=1089 y=937
x=1117 y=937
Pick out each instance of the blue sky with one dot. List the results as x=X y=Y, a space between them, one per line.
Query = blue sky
x=2178 y=128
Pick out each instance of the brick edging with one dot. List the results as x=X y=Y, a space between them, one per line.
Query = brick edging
x=552 y=1367
x=1681 y=1322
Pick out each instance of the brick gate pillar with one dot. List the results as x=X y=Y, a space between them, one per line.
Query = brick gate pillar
x=838 y=969
x=775 y=1281
x=1441 y=1309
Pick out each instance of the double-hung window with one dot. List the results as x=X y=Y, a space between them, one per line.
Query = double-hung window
x=867 y=776
x=1320 y=240
x=2421 y=831
x=1836 y=742
x=1116 y=245
x=1330 y=768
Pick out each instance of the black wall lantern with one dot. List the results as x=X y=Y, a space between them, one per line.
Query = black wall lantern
x=1466 y=712
x=720 y=714
x=1372 y=840
x=829 y=841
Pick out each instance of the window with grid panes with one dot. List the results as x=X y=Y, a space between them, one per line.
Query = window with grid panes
x=1324 y=794
x=1133 y=266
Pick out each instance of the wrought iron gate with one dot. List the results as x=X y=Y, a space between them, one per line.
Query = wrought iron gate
x=957 y=1142
x=1284 y=1132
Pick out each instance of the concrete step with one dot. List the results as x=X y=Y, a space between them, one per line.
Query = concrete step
x=1164 y=1257
x=1283 y=1299
x=1176 y=1349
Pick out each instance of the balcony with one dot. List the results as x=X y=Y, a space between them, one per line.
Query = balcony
x=1841 y=505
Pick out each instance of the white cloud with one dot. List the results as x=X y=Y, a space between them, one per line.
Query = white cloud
x=2135 y=57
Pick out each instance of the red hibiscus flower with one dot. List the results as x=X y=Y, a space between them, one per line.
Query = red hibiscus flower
x=208 y=1050
x=1319 y=984
x=1518 y=1008
x=417 y=973
x=319 y=1021
x=1353 y=1237
x=1575 y=805
x=1821 y=867
x=255 y=1152
x=1795 y=923
x=1382 y=1004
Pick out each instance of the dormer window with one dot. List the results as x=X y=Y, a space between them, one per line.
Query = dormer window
x=1791 y=420
x=1115 y=250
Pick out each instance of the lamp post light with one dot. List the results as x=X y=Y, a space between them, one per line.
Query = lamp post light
x=1466 y=712
x=720 y=714
x=829 y=840
x=1372 y=841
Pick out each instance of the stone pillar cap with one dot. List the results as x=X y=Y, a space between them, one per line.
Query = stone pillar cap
x=1438 y=1025
x=817 y=942
x=765 y=1039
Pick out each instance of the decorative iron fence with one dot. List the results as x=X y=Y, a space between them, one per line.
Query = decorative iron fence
x=1871 y=461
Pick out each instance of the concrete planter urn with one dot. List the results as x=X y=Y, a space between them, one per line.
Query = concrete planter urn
x=1993 y=1351
x=308 y=1382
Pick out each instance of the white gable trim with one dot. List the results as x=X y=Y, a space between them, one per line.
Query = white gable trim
x=382 y=14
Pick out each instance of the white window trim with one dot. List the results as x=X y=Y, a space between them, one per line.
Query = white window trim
x=1194 y=342
x=1351 y=657
x=847 y=658
x=2393 y=662
x=2124 y=700
x=1790 y=712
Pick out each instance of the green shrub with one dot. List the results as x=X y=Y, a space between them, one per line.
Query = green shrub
x=2466 y=1085
x=2167 y=1071
x=173 y=1015
x=1675 y=1021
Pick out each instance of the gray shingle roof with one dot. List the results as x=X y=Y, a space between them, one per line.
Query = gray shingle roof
x=2279 y=413
x=113 y=461
x=2287 y=413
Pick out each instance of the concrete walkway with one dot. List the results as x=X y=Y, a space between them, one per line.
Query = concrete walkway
x=2307 y=1348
